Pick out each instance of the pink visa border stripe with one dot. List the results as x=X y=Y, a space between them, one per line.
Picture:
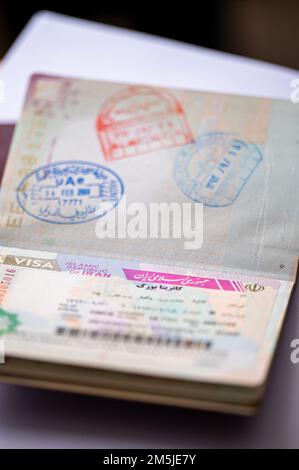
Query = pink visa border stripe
x=183 y=280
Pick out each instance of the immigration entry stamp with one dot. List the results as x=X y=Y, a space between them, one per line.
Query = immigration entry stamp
x=140 y=120
x=215 y=168
x=70 y=192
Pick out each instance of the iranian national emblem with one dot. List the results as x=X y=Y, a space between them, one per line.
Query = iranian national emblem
x=254 y=287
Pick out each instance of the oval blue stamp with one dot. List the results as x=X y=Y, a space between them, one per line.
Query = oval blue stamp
x=70 y=192
x=215 y=168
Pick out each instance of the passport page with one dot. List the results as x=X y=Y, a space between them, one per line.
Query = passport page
x=82 y=150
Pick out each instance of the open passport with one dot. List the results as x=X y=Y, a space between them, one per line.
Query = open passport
x=144 y=317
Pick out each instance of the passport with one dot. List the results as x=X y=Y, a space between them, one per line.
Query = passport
x=144 y=318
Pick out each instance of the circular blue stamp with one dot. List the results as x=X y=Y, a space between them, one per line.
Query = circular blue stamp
x=70 y=192
x=215 y=168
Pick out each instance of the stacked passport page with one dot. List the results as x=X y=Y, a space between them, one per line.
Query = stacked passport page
x=146 y=317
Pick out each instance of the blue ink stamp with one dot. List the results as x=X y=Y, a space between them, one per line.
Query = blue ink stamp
x=70 y=192
x=215 y=168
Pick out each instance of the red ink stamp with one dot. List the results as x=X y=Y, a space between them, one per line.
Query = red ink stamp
x=141 y=120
